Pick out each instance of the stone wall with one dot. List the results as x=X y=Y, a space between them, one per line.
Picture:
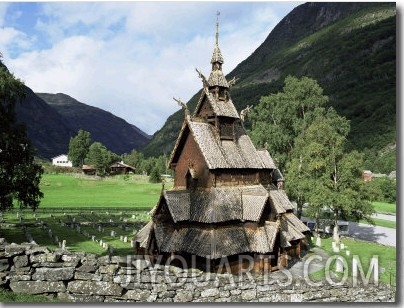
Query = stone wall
x=84 y=277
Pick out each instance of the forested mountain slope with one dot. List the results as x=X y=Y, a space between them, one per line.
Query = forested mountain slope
x=349 y=48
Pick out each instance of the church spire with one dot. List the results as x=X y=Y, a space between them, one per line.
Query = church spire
x=216 y=78
x=217 y=55
x=217 y=28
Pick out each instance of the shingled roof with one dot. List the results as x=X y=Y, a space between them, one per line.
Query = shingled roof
x=217 y=242
x=279 y=201
x=222 y=154
x=221 y=108
x=217 y=205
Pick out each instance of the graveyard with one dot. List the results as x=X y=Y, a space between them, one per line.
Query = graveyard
x=106 y=231
x=88 y=214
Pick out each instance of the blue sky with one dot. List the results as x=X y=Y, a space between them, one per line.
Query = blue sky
x=129 y=58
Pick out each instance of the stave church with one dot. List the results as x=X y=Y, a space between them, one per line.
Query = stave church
x=228 y=200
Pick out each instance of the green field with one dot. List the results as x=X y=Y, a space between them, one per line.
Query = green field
x=381 y=223
x=67 y=190
x=383 y=207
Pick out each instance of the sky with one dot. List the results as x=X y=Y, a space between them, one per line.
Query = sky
x=130 y=58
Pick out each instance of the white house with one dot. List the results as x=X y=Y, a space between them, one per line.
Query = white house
x=61 y=160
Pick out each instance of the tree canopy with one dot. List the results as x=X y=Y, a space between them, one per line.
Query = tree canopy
x=308 y=141
x=19 y=175
x=79 y=147
x=101 y=158
x=279 y=118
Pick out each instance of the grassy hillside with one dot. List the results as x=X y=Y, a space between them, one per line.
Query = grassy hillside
x=84 y=191
x=349 y=48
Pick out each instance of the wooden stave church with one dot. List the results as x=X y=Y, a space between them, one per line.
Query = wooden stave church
x=228 y=200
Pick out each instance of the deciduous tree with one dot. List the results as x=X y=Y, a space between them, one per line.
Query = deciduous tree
x=279 y=118
x=79 y=147
x=19 y=174
x=335 y=176
x=101 y=158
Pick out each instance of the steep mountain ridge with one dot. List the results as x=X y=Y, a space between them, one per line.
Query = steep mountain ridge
x=349 y=48
x=115 y=133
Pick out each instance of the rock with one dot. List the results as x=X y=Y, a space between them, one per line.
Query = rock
x=87 y=276
x=141 y=264
x=88 y=268
x=109 y=269
x=139 y=295
x=37 y=250
x=20 y=261
x=14 y=249
x=94 y=288
x=248 y=295
x=18 y=277
x=4 y=265
x=210 y=292
x=37 y=287
x=183 y=296
x=80 y=298
x=44 y=257
x=53 y=274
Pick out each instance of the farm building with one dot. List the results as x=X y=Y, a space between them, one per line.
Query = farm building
x=88 y=169
x=228 y=200
x=62 y=160
x=121 y=168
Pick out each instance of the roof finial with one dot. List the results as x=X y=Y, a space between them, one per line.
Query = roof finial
x=217 y=27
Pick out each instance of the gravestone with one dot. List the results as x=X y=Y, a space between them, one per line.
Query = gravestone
x=339 y=265
x=318 y=241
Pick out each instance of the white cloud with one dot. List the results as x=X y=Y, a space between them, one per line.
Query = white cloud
x=132 y=58
x=12 y=40
x=3 y=10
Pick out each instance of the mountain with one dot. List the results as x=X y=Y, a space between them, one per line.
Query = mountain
x=115 y=133
x=349 y=48
x=46 y=128
x=52 y=119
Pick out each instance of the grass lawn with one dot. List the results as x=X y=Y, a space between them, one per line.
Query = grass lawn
x=383 y=207
x=381 y=223
x=365 y=251
x=67 y=190
x=11 y=297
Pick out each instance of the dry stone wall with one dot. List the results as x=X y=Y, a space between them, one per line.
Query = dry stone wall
x=83 y=277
